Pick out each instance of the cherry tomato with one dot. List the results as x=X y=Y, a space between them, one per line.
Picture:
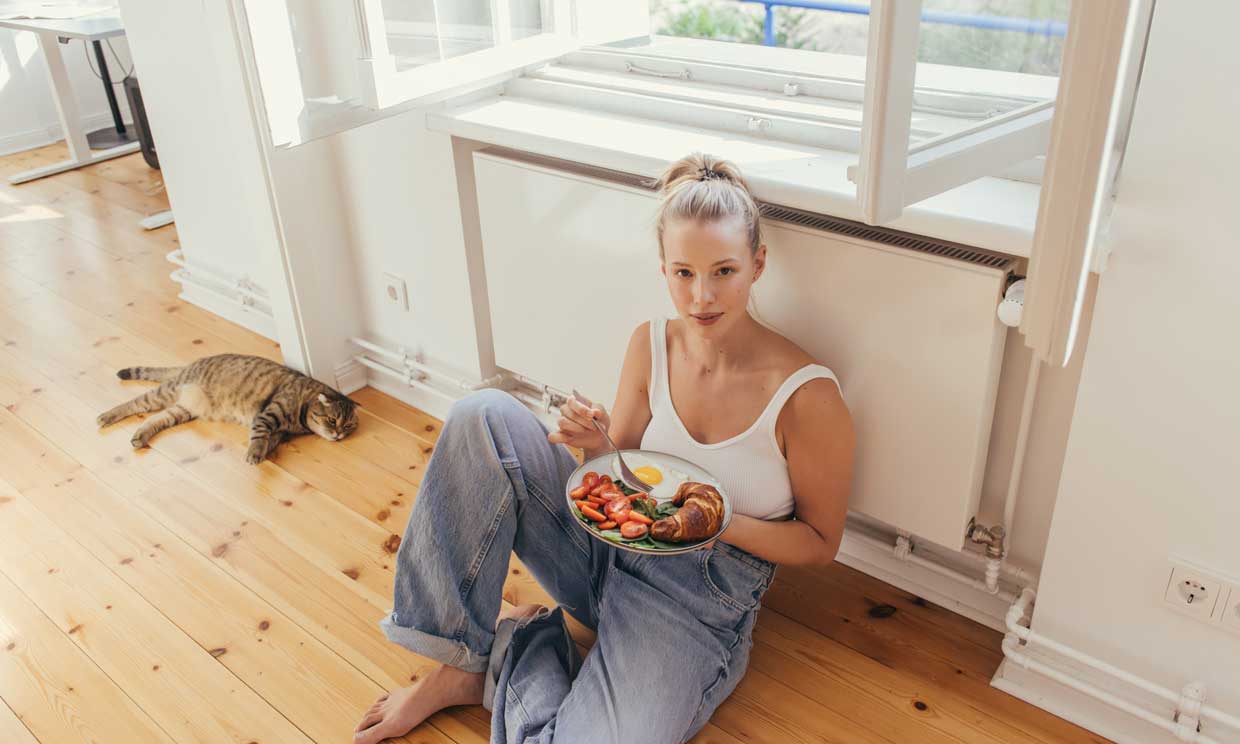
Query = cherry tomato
x=608 y=525
x=633 y=530
x=592 y=514
x=637 y=516
x=623 y=503
x=610 y=494
x=590 y=480
x=621 y=517
x=604 y=478
x=579 y=492
x=598 y=489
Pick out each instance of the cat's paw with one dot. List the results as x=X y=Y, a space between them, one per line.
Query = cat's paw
x=254 y=456
x=104 y=419
x=139 y=441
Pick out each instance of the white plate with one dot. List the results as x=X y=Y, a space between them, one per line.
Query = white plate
x=605 y=464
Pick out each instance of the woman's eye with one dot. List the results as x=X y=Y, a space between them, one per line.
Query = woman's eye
x=684 y=273
x=727 y=270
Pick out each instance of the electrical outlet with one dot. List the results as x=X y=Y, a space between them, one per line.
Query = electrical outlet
x=1228 y=614
x=394 y=291
x=1192 y=591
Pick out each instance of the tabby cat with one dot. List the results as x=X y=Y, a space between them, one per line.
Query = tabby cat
x=273 y=400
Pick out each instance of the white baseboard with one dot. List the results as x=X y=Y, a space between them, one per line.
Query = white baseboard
x=1092 y=714
x=350 y=377
x=977 y=605
x=260 y=323
x=423 y=401
x=33 y=138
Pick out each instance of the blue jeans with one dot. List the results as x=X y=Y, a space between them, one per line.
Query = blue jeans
x=674 y=632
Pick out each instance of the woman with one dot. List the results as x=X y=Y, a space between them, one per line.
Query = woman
x=712 y=386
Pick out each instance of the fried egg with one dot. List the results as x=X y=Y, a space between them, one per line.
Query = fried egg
x=663 y=479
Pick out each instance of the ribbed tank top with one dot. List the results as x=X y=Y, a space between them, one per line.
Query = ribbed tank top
x=749 y=466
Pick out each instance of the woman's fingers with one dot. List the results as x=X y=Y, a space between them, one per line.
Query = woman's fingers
x=569 y=426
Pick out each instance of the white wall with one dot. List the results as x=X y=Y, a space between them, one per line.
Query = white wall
x=381 y=198
x=1151 y=461
x=27 y=108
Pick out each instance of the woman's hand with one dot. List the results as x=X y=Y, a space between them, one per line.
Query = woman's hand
x=577 y=431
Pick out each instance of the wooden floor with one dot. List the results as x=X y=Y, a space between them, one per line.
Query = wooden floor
x=179 y=595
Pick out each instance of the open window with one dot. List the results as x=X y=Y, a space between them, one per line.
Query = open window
x=896 y=93
x=1078 y=134
x=409 y=50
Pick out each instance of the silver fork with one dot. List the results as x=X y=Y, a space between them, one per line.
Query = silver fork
x=626 y=475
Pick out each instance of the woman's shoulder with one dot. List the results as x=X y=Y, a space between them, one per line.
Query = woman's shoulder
x=784 y=356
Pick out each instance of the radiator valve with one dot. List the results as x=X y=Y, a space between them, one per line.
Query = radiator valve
x=991 y=537
x=1013 y=304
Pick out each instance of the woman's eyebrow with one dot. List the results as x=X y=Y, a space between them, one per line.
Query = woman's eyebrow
x=717 y=263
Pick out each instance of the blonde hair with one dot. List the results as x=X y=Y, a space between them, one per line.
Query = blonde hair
x=704 y=188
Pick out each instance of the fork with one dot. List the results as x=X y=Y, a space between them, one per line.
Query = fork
x=626 y=475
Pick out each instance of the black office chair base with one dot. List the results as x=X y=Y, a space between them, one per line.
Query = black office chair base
x=108 y=137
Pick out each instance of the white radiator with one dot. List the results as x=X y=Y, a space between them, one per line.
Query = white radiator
x=907 y=324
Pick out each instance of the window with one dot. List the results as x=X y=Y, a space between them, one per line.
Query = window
x=410 y=50
x=928 y=96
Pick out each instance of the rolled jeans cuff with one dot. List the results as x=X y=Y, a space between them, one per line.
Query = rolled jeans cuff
x=443 y=650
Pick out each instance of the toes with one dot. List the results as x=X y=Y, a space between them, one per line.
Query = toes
x=373 y=735
x=370 y=719
x=138 y=442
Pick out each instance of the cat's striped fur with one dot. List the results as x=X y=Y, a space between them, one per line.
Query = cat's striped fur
x=273 y=400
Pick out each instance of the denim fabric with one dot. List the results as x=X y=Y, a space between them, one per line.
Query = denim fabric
x=674 y=632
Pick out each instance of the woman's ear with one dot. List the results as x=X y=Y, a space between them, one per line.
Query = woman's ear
x=759 y=261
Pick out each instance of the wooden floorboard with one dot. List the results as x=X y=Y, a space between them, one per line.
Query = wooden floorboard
x=177 y=594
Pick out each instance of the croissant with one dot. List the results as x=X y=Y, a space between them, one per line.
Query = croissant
x=700 y=515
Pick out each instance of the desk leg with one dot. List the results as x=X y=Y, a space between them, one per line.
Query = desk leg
x=70 y=119
x=66 y=104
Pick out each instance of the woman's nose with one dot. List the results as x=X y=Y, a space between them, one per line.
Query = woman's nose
x=703 y=292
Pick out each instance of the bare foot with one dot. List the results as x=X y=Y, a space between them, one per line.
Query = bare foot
x=400 y=711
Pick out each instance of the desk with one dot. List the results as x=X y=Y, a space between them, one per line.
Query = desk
x=91 y=28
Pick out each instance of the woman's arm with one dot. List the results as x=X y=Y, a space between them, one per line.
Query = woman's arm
x=819 y=444
x=629 y=417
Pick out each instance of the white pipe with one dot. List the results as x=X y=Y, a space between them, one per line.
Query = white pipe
x=404 y=377
x=181 y=276
x=243 y=287
x=413 y=364
x=1015 y=574
x=903 y=550
x=1011 y=650
x=1016 y=631
x=1022 y=445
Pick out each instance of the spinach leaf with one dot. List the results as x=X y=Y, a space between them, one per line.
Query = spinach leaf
x=646 y=508
x=667 y=509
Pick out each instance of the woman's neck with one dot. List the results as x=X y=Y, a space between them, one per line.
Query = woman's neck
x=731 y=351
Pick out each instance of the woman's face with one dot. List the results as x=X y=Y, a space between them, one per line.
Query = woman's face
x=709 y=270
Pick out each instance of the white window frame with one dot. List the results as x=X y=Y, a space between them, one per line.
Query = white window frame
x=1078 y=133
x=1096 y=90
x=574 y=23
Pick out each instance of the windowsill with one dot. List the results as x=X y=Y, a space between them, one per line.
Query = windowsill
x=990 y=213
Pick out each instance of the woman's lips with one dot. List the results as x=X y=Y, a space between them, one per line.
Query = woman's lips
x=706 y=318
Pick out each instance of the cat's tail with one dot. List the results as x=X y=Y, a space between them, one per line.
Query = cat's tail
x=154 y=374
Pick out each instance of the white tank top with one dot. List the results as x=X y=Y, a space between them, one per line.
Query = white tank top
x=749 y=466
